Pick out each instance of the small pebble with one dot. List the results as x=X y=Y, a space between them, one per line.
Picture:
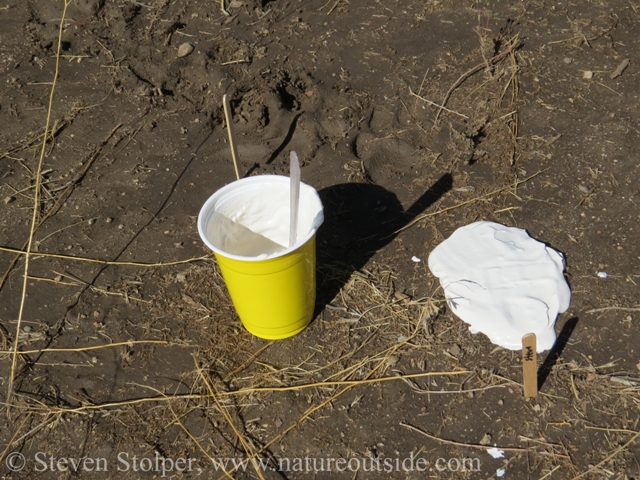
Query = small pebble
x=583 y=188
x=415 y=259
x=180 y=277
x=121 y=226
x=27 y=328
x=108 y=220
x=94 y=359
x=455 y=351
x=9 y=199
x=567 y=60
x=587 y=74
x=603 y=274
x=185 y=49
x=92 y=221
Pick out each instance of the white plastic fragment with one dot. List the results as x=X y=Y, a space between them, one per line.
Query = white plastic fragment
x=603 y=274
x=416 y=259
x=496 y=452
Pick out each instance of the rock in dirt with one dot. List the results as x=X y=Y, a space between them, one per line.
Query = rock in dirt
x=185 y=49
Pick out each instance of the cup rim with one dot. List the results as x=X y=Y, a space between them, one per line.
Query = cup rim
x=204 y=215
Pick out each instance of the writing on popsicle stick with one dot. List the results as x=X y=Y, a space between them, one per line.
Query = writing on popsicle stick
x=530 y=365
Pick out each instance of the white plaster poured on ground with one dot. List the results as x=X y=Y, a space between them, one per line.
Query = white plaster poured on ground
x=502 y=282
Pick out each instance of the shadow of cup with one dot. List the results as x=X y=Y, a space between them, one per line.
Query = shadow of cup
x=359 y=220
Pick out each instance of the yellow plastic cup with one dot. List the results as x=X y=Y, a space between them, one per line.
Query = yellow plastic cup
x=274 y=295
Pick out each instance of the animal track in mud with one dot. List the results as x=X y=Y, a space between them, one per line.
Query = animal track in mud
x=271 y=107
x=387 y=158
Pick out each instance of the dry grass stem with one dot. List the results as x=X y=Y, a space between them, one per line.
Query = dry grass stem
x=608 y=457
x=436 y=105
x=481 y=197
x=86 y=349
x=15 y=434
x=189 y=434
x=26 y=248
x=245 y=444
x=478 y=446
x=513 y=44
x=606 y=309
x=105 y=262
x=548 y=474
x=36 y=204
x=195 y=440
x=351 y=383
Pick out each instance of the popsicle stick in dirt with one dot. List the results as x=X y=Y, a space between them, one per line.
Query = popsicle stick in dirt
x=530 y=365
x=232 y=142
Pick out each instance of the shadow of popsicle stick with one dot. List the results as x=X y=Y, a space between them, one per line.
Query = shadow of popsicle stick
x=556 y=350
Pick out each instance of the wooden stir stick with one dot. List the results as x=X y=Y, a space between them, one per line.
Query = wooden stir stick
x=530 y=365
x=227 y=116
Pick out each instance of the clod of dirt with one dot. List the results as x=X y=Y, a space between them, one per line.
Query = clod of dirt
x=185 y=49
x=9 y=199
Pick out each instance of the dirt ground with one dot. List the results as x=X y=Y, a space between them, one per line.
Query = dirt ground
x=411 y=119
